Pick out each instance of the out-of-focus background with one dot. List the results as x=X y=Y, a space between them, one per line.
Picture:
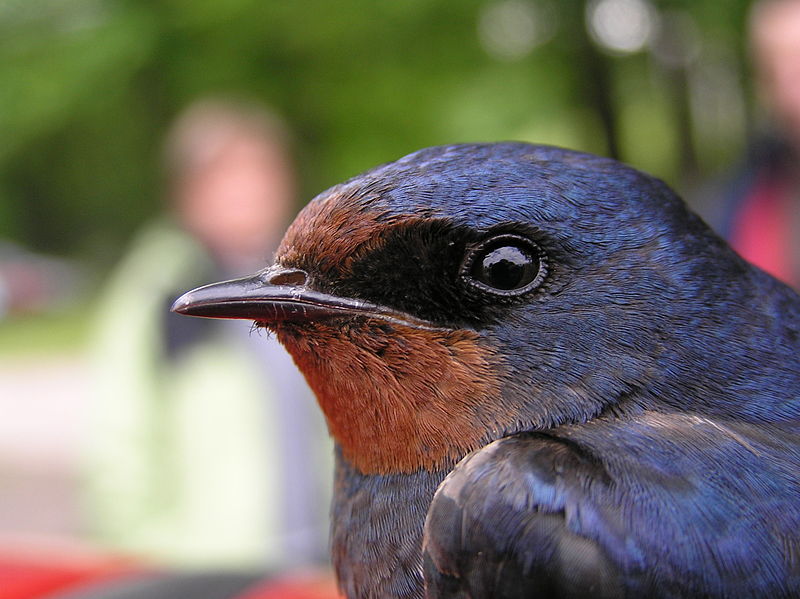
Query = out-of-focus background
x=90 y=91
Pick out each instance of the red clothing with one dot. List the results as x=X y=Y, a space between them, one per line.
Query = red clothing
x=762 y=229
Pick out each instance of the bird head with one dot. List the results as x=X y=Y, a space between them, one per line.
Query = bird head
x=467 y=292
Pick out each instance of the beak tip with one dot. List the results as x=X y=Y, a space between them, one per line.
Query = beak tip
x=182 y=304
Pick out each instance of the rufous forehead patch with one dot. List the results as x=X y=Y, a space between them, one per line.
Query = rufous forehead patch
x=334 y=231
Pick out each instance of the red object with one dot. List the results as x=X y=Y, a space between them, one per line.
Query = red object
x=34 y=572
x=295 y=587
x=36 y=569
x=761 y=232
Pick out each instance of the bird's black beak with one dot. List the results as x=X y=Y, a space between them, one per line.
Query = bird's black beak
x=277 y=295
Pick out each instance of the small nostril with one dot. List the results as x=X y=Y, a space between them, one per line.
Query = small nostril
x=294 y=277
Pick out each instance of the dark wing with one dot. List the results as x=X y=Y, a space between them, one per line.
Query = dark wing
x=654 y=506
x=497 y=525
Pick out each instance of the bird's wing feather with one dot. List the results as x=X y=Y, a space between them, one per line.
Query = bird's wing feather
x=659 y=506
x=497 y=525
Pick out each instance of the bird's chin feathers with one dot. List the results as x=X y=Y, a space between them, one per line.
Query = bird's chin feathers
x=399 y=399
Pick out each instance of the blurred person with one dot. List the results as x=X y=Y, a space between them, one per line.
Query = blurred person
x=760 y=214
x=175 y=474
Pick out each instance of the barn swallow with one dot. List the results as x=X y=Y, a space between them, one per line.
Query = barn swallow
x=545 y=377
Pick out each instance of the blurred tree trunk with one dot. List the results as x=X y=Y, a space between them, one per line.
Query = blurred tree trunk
x=594 y=84
x=677 y=86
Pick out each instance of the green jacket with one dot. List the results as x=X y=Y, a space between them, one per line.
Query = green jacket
x=198 y=455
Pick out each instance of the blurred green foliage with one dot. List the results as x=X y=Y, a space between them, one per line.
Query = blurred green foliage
x=87 y=88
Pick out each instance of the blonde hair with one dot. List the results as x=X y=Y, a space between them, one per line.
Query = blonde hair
x=205 y=129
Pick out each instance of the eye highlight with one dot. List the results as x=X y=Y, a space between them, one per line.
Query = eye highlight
x=505 y=265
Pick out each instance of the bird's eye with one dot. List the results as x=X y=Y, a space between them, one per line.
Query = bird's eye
x=504 y=265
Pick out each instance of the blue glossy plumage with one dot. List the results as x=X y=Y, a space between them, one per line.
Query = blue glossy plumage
x=631 y=418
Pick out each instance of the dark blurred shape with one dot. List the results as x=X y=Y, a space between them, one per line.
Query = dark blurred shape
x=676 y=48
x=206 y=447
x=760 y=213
x=201 y=585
